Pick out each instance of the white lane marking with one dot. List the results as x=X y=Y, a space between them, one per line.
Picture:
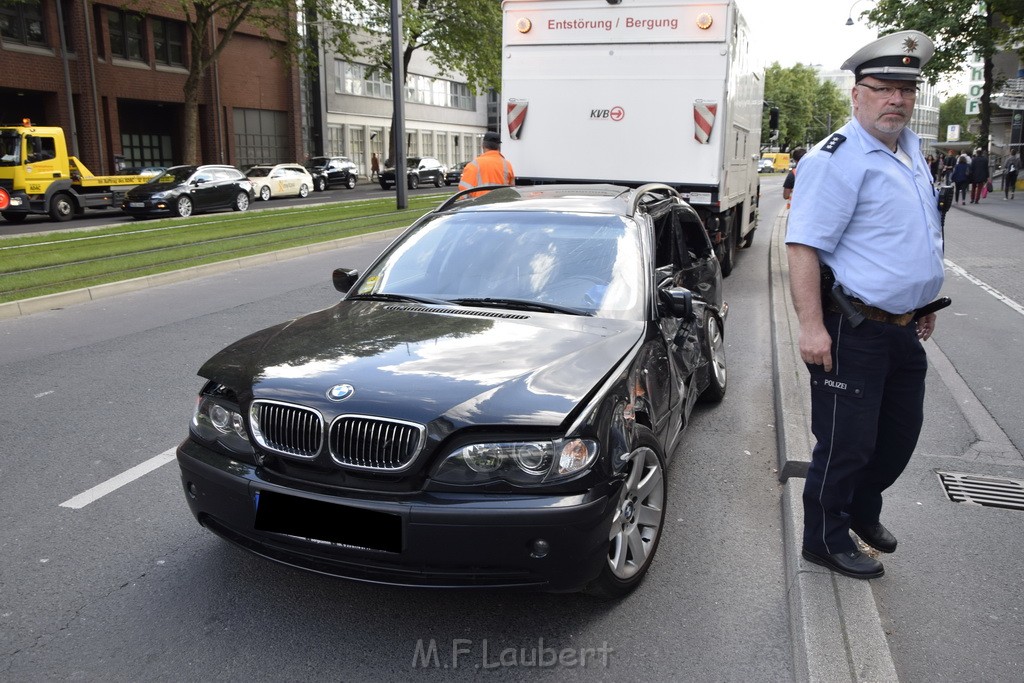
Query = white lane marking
x=114 y=483
x=988 y=288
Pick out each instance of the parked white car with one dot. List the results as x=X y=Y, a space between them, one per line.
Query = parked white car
x=282 y=180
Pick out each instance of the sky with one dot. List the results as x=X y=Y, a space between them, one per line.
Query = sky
x=813 y=32
x=806 y=31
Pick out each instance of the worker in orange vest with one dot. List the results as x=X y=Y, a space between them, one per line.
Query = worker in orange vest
x=490 y=168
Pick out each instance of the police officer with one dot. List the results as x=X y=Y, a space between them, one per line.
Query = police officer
x=490 y=168
x=866 y=209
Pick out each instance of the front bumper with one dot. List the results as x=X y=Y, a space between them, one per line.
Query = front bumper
x=148 y=207
x=553 y=542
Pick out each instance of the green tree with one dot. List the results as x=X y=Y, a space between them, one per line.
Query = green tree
x=211 y=24
x=959 y=28
x=953 y=112
x=462 y=36
x=808 y=109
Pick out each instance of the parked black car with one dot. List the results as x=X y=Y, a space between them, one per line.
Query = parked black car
x=454 y=174
x=184 y=190
x=332 y=172
x=418 y=171
x=493 y=403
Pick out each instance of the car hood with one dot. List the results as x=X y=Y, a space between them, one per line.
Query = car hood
x=421 y=363
x=146 y=191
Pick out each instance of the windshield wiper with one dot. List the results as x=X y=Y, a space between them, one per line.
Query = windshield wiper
x=519 y=304
x=399 y=297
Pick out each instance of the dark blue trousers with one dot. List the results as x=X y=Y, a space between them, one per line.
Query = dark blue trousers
x=866 y=416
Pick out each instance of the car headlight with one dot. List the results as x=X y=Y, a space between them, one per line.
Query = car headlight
x=517 y=462
x=218 y=420
x=159 y=195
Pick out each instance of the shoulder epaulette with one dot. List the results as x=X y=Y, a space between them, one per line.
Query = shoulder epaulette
x=832 y=144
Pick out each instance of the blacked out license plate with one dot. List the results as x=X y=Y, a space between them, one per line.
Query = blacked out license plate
x=328 y=522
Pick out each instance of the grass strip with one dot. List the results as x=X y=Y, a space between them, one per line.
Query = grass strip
x=34 y=265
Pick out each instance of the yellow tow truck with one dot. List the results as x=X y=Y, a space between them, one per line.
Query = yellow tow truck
x=37 y=176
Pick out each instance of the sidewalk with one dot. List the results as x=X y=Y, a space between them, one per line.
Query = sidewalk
x=836 y=625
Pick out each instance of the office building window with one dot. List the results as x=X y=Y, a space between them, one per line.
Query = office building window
x=22 y=23
x=127 y=40
x=169 y=42
x=261 y=137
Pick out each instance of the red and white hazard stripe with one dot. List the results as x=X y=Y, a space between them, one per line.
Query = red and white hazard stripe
x=516 y=117
x=703 y=120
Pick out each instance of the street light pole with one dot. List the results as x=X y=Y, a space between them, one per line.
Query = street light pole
x=849 y=19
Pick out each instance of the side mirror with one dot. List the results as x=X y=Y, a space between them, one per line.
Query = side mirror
x=679 y=302
x=344 y=278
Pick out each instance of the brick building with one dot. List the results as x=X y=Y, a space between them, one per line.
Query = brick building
x=125 y=67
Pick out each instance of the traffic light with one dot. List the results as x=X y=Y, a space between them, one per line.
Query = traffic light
x=773 y=118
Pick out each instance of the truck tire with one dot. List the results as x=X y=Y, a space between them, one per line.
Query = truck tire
x=183 y=207
x=62 y=207
x=350 y=182
x=728 y=246
x=12 y=217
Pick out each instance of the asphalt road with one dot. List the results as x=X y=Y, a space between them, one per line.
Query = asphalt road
x=124 y=585
x=127 y=586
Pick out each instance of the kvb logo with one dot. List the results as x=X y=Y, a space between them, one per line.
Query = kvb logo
x=613 y=114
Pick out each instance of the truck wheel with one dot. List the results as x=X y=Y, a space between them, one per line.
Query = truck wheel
x=321 y=184
x=265 y=193
x=748 y=240
x=241 y=202
x=728 y=247
x=62 y=207
x=183 y=207
x=351 y=182
x=12 y=217
x=637 y=523
x=414 y=181
x=303 y=190
x=714 y=349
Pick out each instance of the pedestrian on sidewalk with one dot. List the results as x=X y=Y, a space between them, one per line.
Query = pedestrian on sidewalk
x=790 y=182
x=979 y=176
x=961 y=177
x=868 y=212
x=1010 y=169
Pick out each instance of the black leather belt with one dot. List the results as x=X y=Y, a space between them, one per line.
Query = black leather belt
x=877 y=314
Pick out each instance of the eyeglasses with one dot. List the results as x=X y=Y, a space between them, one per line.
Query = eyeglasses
x=888 y=90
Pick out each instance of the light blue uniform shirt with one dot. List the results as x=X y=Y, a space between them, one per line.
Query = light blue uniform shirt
x=873 y=220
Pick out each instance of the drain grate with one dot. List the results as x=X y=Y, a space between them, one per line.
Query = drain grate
x=979 y=490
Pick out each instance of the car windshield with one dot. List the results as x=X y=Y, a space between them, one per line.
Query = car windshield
x=257 y=172
x=173 y=176
x=586 y=263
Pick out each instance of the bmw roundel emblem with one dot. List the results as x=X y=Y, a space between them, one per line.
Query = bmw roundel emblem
x=339 y=392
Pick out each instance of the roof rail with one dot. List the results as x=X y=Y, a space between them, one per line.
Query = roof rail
x=653 y=189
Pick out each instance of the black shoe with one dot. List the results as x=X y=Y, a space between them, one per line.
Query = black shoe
x=875 y=535
x=854 y=563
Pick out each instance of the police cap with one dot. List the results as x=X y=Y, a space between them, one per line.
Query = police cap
x=895 y=57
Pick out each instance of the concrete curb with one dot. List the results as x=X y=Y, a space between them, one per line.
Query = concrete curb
x=835 y=627
x=49 y=302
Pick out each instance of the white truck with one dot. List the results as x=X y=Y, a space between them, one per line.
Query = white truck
x=637 y=91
